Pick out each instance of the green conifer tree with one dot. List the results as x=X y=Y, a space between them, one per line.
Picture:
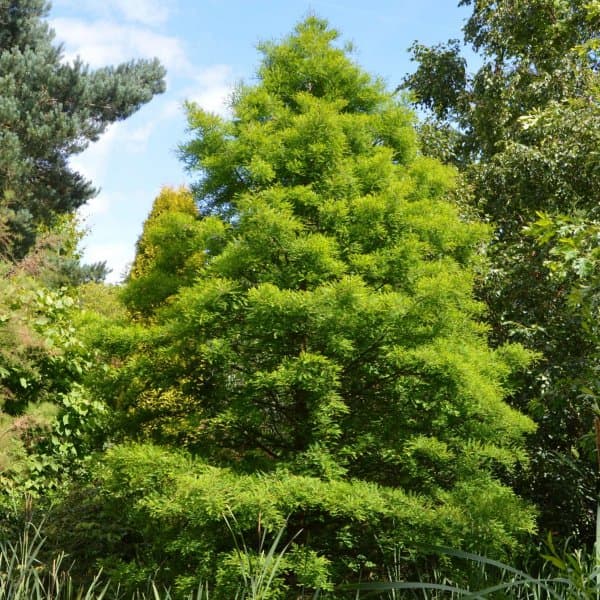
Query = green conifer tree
x=344 y=292
x=166 y=252
x=49 y=111
x=328 y=346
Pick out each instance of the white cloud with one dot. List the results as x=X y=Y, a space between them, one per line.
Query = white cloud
x=147 y=12
x=99 y=205
x=102 y=43
x=93 y=162
x=211 y=88
x=137 y=139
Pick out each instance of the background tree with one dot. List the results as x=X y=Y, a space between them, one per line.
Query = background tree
x=49 y=111
x=524 y=130
x=328 y=340
x=169 y=250
x=54 y=259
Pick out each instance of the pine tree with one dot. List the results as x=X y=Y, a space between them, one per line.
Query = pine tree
x=49 y=111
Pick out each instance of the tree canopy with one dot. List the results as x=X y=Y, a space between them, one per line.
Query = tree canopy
x=524 y=130
x=373 y=335
x=49 y=111
x=323 y=329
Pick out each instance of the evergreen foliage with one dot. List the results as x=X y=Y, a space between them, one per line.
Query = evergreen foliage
x=49 y=111
x=156 y=512
x=298 y=354
x=171 y=244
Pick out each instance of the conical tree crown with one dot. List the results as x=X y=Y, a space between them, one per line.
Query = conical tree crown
x=168 y=202
x=169 y=251
x=315 y=121
x=334 y=327
x=328 y=328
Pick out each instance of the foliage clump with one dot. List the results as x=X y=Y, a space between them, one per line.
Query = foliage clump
x=309 y=338
x=50 y=110
x=48 y=422
x=524 y=130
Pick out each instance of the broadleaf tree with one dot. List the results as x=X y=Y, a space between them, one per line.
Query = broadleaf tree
x=523 y=128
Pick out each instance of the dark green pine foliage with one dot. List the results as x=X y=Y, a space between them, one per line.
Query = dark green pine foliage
x=49 y=111
x=525 y=129
x=329 y=337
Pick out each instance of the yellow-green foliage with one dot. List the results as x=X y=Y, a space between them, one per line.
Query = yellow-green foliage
x=170 y=200
x=313 y=334
x=171 y=250
x=173 y=509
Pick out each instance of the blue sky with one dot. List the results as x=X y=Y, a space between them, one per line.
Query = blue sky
x=207 y=47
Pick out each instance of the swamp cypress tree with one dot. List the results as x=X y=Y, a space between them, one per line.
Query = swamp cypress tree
x=326 y=361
